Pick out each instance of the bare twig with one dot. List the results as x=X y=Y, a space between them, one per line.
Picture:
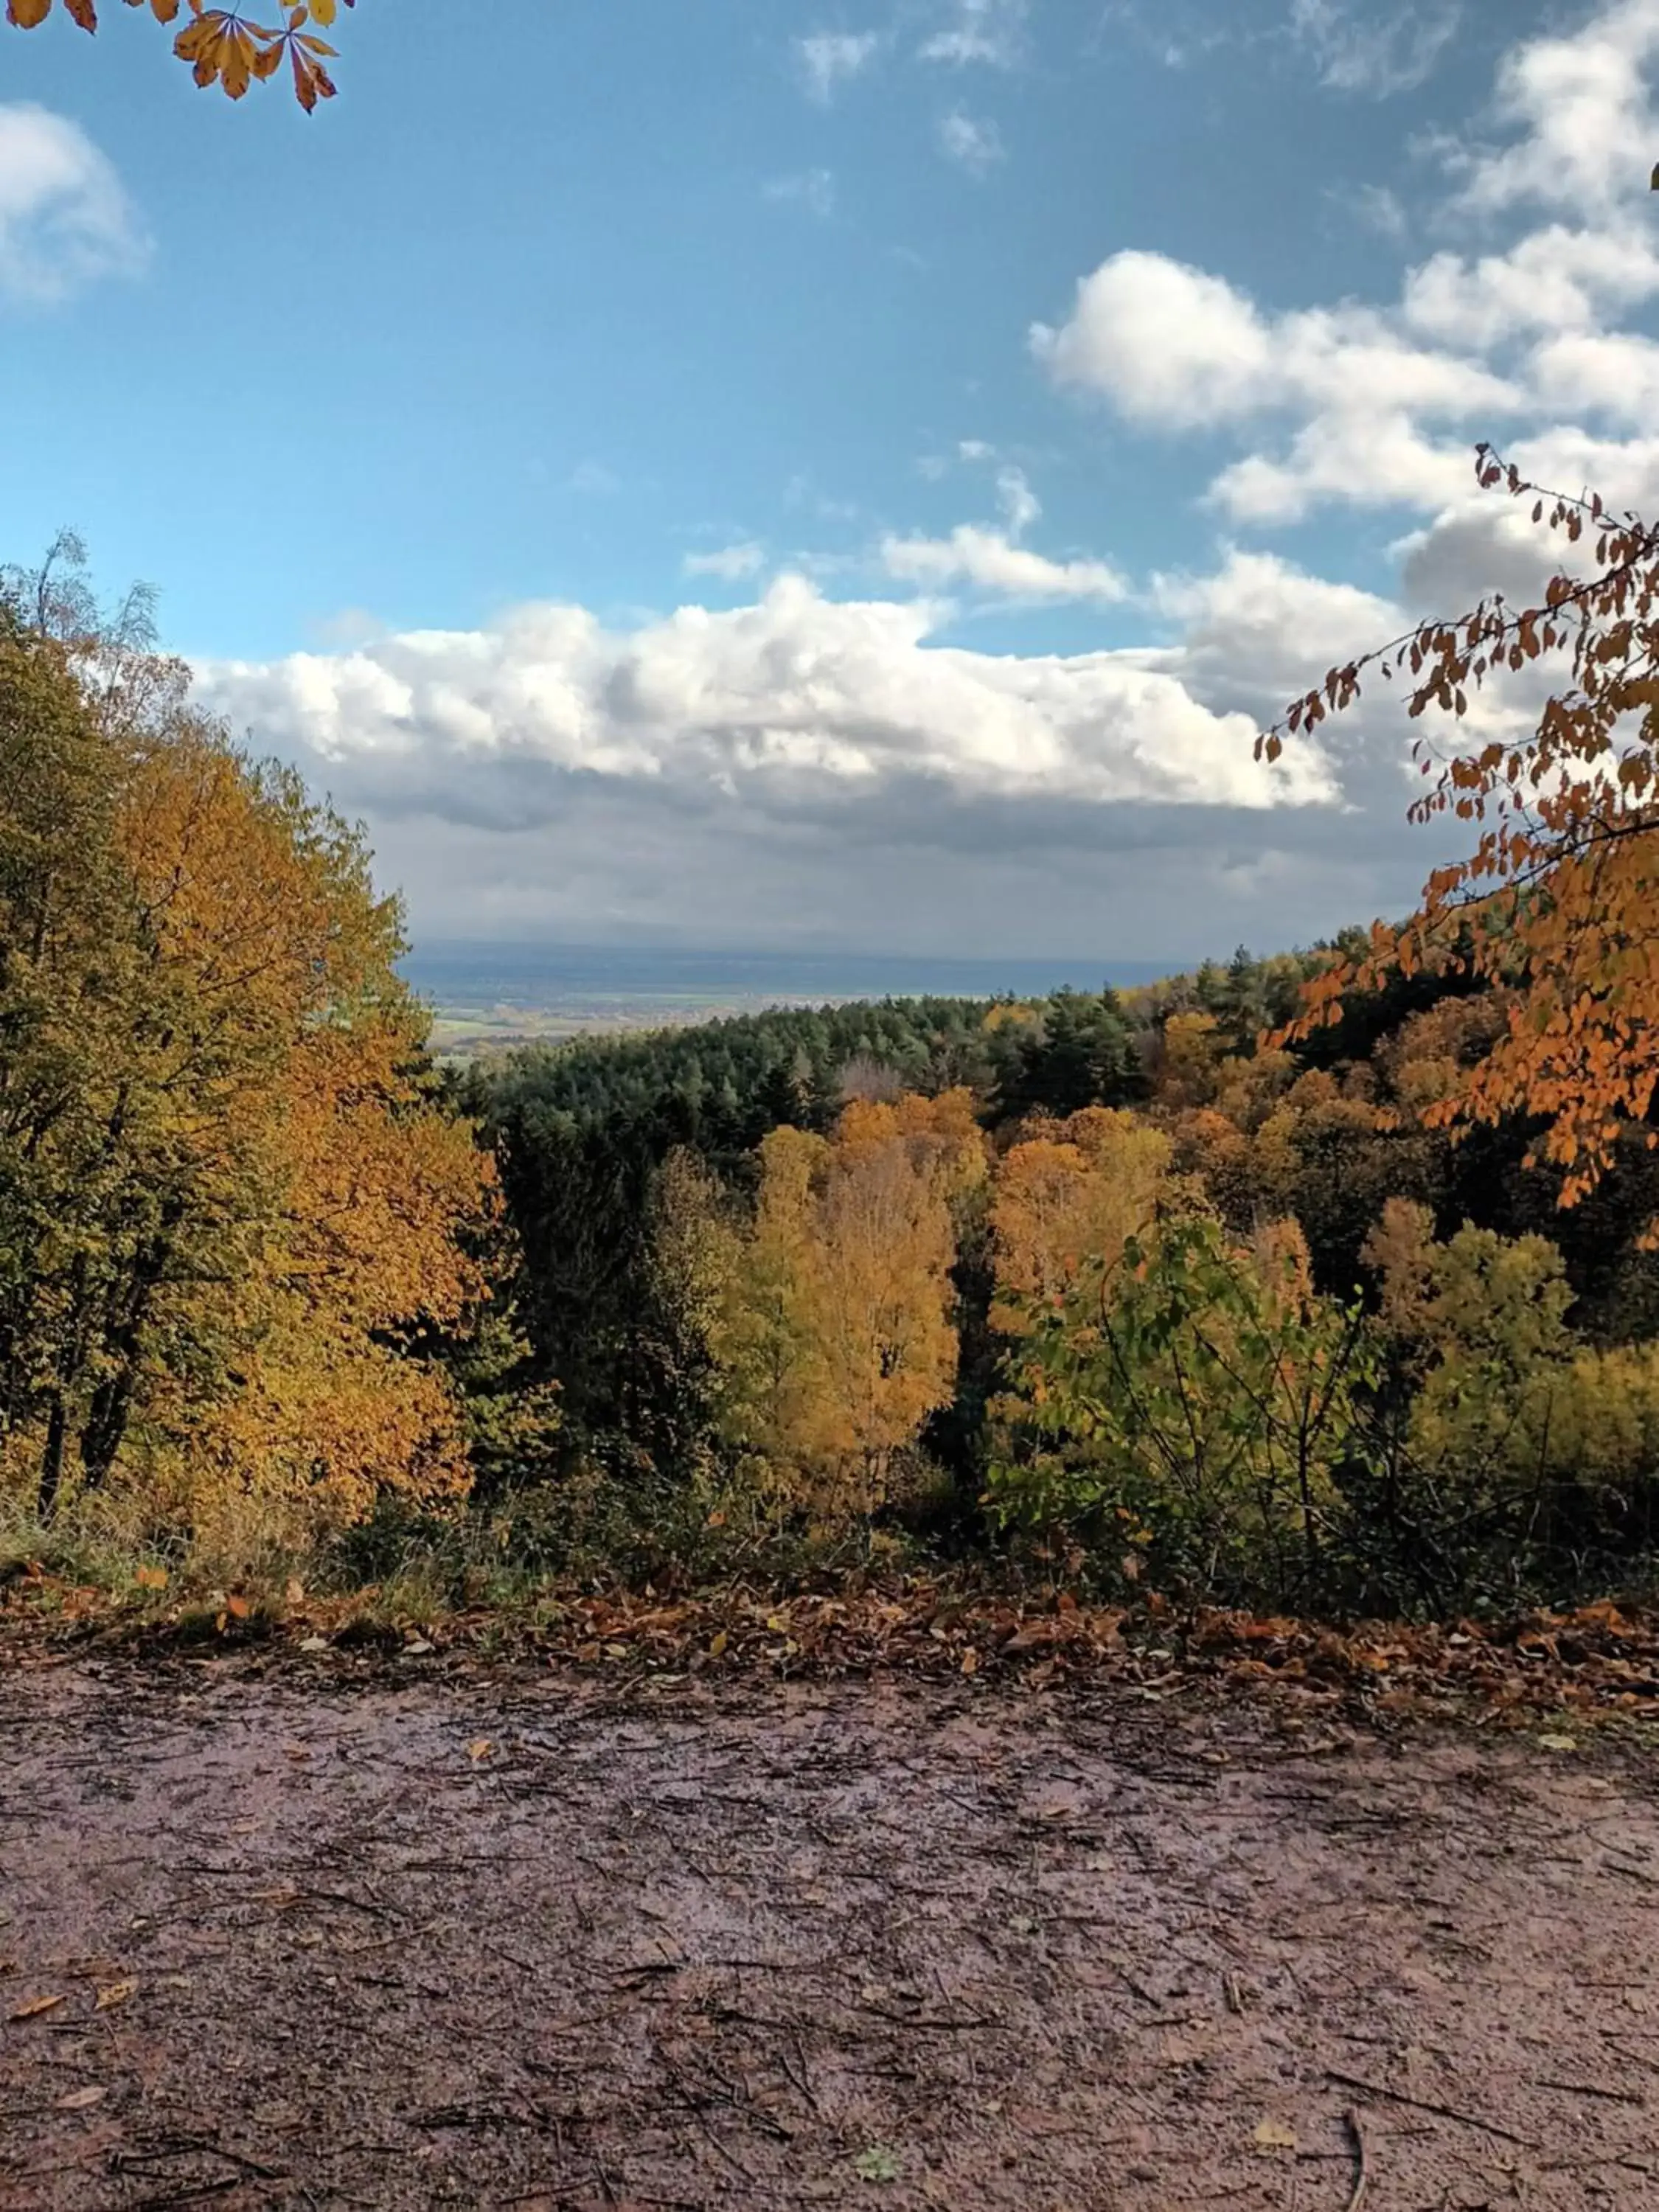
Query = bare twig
x=1362 y=2179
x=1429 y=2105
x=1591 y=2089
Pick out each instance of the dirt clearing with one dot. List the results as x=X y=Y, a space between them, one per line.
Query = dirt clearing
x=507 y=1944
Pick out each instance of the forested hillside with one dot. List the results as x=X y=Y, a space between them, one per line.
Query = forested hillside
x=1322 y=1281
x=1096 y=1264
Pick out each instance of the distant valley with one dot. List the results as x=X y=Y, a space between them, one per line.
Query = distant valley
x=488 y=997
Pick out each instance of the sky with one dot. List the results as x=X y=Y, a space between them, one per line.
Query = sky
x=771 y=474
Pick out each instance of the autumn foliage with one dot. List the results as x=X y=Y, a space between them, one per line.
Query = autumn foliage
x=232 y=1206
x=224 y=46
x=1555 y=908
x=837 y=1334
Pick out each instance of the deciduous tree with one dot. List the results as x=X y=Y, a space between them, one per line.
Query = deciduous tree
x=840 y=1340
x=1065 y=1201
x=230 y=1199
x=1557 y=903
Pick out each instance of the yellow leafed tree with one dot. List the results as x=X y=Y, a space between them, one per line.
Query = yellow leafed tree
x=840 y=1340
x=1067 y=1200
x=232 y=1211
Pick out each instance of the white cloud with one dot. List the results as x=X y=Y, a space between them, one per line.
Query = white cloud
x=974 y=144
x=813 y=189
x=1178 y=349
x=991 y=561
x=787 y=702
x=730 y=562
x=1379 y=405
x=1174 y=347
x=1357 y=456
x=1550 y=279
x=1166 y=344
x=806 y=768
x=1019 y=502
x=988 y=31
x=1253 y=629
x=1604 y=371
x=1583 y=113
x=1478 y=544
x=65 y=220
x=829 y=59
x=1376 y=47
x=973 y=449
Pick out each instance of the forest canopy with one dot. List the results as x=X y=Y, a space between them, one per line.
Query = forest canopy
x=1317 y=1281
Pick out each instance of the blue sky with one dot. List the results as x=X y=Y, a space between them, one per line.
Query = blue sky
x=776 y=473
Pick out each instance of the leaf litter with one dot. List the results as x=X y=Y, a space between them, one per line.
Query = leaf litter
x=905 y=1938
x=1588 y=1664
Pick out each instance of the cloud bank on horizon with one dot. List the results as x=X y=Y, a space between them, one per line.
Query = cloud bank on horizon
x=891 y=745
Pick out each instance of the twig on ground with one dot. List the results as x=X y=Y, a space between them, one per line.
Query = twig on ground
x=1362 y=2179
x=1429 y=2105
x=1591 y=2089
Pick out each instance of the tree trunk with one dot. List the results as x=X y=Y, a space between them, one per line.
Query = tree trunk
x=105 y=1426
x=51 y=1463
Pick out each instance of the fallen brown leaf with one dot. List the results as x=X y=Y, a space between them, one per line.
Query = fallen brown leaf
x=35 y=2006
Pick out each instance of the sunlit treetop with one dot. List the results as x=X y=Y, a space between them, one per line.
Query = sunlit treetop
x=222 y=45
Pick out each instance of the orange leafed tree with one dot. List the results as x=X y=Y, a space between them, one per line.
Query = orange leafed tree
x=305 y=1095
x=232 y=1209
x=222 y=45
x=1557 y=906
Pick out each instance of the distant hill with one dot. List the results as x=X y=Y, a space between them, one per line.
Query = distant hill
x=491 y=995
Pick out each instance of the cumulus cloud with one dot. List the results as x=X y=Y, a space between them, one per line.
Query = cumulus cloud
x=65 y=220
x=831 y=770
x=973 y=143
x=792 y=702
x=1173 y=347
x=1253 y=627
x=1379 y=404
x=1582 y=115
x=1552 y=279
x=829 y=59
x=991 y=561
x=1176 y=348
x=1611 y=373
x=1376 y=460
x=1477 y=544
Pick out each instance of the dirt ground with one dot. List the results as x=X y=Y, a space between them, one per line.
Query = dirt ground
x=504 y=1943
